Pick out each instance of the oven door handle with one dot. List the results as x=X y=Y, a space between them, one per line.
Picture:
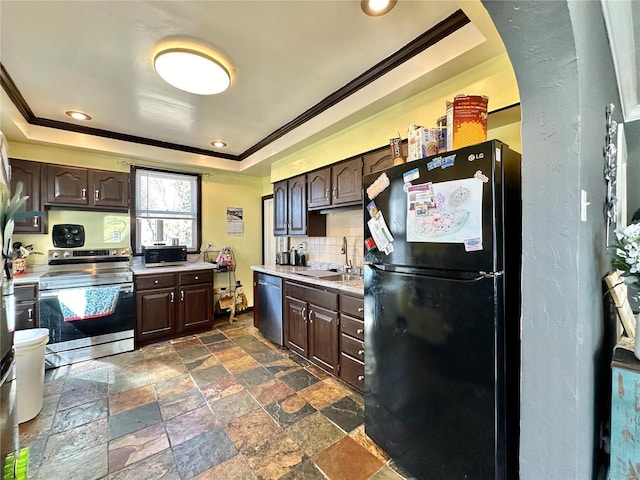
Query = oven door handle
x=45 y=294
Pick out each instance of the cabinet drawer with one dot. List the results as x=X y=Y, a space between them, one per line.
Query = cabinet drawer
x=155 y=281
x=321 y=298
x=352 y=326
x=25 y=292
x=352 y=347
x=352 y=305
x=194 y=278
x=352 y=371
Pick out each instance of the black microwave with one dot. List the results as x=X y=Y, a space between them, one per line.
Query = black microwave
x=164 y=255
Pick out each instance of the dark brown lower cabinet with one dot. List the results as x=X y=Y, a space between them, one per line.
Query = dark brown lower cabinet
x=169 y=305
x=311 y=324
x=352 y=341
x=26 y=298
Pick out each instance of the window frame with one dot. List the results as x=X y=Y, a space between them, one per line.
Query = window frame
x=134 y=210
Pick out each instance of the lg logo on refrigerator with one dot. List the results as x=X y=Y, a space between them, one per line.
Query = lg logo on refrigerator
x=473 y=156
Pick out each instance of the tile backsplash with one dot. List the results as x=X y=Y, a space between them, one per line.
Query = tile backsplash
x=346 y=224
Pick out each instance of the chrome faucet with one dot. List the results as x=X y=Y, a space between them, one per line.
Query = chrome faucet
x=344 y=249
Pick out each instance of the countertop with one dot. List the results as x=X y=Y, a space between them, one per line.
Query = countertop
x=31 y=276
x=354 y=287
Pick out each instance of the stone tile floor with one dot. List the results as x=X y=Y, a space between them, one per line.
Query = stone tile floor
x=225 y=404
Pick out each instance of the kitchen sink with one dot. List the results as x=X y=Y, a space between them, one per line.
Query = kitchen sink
x=343 y=277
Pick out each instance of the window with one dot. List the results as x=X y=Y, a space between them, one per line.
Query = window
x=167 y=207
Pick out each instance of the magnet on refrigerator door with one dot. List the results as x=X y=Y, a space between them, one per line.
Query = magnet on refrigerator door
x=381 y=183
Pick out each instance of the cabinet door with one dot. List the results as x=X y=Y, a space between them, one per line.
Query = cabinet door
x=319 y=185
x=155 y=313
x=298 y=205
x=195 y=306
x=26 y=315
x=29 y=174
x=66 y=185
x=323 y=338
x=110 y=189
x=296 y=325
x=347 y=182
x=378 y=160
x=280 y=208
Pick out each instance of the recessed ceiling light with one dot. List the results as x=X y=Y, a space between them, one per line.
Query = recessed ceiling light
x=376 y=8
x=218 y=144
x=192 y=71
x=78 y=115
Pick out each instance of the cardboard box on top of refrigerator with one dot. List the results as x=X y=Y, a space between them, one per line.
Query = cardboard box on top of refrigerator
x=466 y=121
x=422 y=142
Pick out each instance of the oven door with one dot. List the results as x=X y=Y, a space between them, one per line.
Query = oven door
x=88 y=322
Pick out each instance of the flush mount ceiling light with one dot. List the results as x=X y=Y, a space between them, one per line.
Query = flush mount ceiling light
x=376 y=8
x=192 y=71
x=78 y=115
x=218 y=144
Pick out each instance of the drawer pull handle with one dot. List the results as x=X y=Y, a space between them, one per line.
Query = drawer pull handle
x=30 y=314
x=84 y=193
x=360 y=378
x=360 y=331
x=196 y=277
x=171 y=297
x=360 y=309
x=156 y=282
x=182 y=295
x=98 y=195
x=304 y=313
x=361 y=352
x=36 y=221
x=310 y=313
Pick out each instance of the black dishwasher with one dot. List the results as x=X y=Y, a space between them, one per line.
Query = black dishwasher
x=270 y=308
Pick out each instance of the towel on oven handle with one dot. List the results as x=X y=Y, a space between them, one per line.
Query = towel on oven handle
x=91 y=302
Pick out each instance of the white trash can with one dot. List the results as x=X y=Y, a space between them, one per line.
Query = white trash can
x=30 y=346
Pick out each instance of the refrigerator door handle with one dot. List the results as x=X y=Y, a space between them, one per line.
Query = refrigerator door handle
x=463 y=279
x=491 y=274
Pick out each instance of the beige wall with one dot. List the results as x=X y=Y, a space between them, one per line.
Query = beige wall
x=219 y=191
x=423 y=108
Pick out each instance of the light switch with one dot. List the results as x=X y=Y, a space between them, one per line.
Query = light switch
x=583 y=205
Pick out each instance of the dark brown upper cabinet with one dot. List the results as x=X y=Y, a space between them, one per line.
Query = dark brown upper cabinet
x=81 y=187
x=319 y=184
x=291 y=214
x=377 y=160
x=28 y=173
x=336 y=186
x=381 y=159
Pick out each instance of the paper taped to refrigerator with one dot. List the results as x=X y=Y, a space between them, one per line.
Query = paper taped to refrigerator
x=381 y=234
x=445 y=212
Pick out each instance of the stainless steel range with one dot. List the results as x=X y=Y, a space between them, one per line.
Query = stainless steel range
x=86 y=301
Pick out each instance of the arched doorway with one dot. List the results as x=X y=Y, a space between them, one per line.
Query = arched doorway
x=562 y=62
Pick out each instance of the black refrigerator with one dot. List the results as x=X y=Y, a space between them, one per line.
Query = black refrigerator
x=442 y=313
